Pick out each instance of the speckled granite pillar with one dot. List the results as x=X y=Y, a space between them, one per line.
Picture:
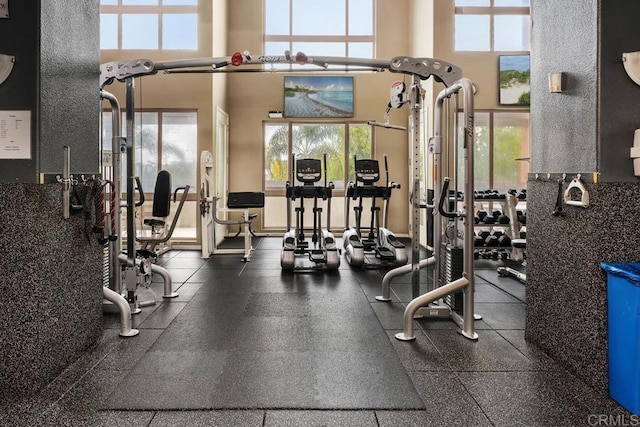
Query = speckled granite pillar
x=50 y=288
x=566 y=289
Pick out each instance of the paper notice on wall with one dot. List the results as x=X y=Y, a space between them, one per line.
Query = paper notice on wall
x=4 y=8
x=15 y=134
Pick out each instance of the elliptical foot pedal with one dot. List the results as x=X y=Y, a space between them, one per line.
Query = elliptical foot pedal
x=386 y=254
x=317 y=257
x=146 y=254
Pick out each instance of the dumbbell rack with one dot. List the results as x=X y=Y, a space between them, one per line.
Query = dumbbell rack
x=512 y=229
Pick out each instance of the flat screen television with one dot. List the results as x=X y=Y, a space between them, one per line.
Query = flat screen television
x=318 y=96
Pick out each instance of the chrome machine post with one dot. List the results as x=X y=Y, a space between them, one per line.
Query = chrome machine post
x=416 y=98
x=130 y=268
x=117 y=146
x=468 y=151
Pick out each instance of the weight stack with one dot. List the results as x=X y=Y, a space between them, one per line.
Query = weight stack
x=451 y=268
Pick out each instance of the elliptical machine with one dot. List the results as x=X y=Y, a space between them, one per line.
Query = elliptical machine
x=322 y=252
x=380 y=241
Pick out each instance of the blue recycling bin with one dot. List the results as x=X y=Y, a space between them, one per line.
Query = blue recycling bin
x=623 y=305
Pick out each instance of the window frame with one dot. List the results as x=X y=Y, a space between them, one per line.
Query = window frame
x=159 y=10
x=340 y=192
x=192 y=196
x=491 y=126
x=493 y=11
x=345 y=39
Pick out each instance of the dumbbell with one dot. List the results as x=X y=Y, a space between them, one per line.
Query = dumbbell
x=489 y=219
x=491 y=240
x=481 y=214
x=523 y=233
x=496 y=213
x=504 y=241
x=522 y=194
x=484 y=234
x=478 y=241
x=522 y=217
x=503 y=219
x=492 y=194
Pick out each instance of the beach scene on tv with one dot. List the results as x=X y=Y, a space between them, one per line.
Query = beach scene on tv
x=515 y=74
x=318 y=96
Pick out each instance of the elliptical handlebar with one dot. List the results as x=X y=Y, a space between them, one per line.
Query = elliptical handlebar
x=386 y=169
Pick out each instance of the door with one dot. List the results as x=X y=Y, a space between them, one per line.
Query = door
x=221 y=169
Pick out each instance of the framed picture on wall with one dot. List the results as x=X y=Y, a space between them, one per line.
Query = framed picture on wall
x=514 y=80
x=318 y=96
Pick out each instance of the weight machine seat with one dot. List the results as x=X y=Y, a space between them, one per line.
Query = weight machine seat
x=242 y=200
x=163 y=193
x=161 y=200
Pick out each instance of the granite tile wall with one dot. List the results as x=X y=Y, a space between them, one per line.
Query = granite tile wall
x=50 y=287
x=566 y=289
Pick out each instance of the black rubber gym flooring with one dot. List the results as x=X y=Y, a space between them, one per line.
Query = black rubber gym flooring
x=248 y=345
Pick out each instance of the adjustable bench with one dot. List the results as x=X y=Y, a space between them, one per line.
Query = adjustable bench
x=240 y=201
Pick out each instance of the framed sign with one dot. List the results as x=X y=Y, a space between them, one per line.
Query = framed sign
x=514 y=80
x=4 y=8
x=15 y=134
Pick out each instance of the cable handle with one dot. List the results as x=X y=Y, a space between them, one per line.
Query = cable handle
x=558 y=209
x=140 y=192
x=445 y=195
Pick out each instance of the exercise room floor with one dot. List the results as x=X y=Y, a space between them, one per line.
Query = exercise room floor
x=248 y=345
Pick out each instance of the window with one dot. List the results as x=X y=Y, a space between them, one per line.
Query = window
x=164 y=140
x=149 y=24
x=501 y=152
x=301 y=26
x=492 y=25
x=339 y=141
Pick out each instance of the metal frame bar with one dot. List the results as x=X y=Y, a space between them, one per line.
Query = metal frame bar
x=466 y=283
x=423 y=68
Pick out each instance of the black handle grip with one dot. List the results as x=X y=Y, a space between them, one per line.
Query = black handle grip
x=175 y=193
x=445 y=196
x=140 y=192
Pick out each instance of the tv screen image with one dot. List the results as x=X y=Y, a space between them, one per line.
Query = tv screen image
x=318 y=96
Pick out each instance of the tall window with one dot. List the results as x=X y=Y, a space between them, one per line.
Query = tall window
x=164 y=140
x=149 y=24
x=492 y=25
x=501 y=156
x=339 y=142
x=327 y=28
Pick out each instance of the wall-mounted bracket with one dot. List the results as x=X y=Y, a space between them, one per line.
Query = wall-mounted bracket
x=6 y=66
x=631 y=62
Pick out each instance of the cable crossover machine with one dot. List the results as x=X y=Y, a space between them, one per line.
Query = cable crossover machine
x=419 y=69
